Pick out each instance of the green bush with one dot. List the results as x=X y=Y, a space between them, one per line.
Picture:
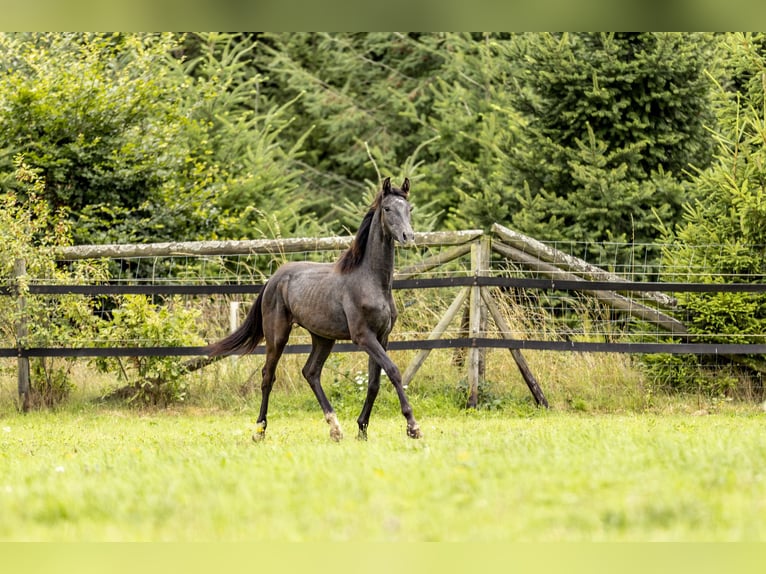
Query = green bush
x=142 y=323
x=31 y=232
x=139 y=141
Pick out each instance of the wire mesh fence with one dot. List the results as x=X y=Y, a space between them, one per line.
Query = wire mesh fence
x=170 y=300
x=540 y=302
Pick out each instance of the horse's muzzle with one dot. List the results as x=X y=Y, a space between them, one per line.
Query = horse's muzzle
x=407 y=238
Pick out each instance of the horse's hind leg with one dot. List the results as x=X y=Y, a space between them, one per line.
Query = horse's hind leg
x=276 y=336
x=312 y=371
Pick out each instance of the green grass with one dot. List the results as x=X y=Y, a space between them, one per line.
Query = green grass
x=94 y=473
x=614 y=459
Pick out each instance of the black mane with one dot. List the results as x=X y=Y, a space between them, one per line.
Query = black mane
x=354 y=255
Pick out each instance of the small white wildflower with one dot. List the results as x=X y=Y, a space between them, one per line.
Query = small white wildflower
x=59 y=468
x=6 y=429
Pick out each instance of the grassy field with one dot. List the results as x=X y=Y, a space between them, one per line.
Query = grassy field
x=612 y=460
x=99 y=473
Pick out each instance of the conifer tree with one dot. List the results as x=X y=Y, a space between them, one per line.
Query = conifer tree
x=723 y=234
x=363 y=99
x=611 y=123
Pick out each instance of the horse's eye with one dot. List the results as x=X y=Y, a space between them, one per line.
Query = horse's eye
x=386 y=209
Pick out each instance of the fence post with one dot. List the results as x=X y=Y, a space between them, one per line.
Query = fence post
x=19 y=272
x=233 y=316
x=477 y=323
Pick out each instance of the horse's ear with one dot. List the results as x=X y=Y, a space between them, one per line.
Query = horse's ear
x=387 y=186
x=406 y=186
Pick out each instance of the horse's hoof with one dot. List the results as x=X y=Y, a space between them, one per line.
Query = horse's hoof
x=259 y=433
x=336 y=434
x=414 y=432
x=362 y=435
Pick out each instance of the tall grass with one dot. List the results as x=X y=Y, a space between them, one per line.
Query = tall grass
x=597 y=383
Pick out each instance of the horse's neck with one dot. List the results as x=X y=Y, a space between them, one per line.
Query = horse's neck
x=378 y=260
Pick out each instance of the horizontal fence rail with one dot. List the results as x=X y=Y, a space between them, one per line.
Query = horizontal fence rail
x=425 y=283
x=455 y=343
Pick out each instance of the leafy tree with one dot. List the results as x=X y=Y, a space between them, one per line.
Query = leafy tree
x=478 y=125
x=363 y=97
x=254 y=169
x=138 y=142
x=95 y=114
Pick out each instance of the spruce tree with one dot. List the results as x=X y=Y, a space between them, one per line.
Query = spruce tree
x=722 y=237
x=363 y=100
x=611 y=124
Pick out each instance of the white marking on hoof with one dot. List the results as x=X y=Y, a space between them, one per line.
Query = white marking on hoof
x=414 y=432
x=336 y=433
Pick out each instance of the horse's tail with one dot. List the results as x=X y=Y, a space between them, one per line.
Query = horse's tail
x=246 y=338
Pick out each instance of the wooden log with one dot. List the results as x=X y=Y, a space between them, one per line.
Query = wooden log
x=610 y=298
x=568 y=262
x=433 y=261
x=521 y=362
x=437 y=332
x=254 y=246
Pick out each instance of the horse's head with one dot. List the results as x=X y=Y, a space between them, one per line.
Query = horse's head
x=395 y=212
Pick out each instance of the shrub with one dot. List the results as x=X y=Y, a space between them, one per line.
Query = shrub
x=30 y=232
x=151 y=380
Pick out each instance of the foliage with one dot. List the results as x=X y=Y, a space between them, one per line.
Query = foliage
x=722 y=238
x=152 y=380
x=687 y=374
x=254 y=186
x=30 y=232
x=95 y=114
x=477 y=126
x=138 y=144
x=612 y=123
x=362 y=95
x=146 y=136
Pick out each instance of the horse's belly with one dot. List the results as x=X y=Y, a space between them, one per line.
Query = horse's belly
x=321 y=313
x=328 y=327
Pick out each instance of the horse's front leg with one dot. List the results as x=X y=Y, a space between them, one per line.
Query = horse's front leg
x=373 y=386
x=377 y=353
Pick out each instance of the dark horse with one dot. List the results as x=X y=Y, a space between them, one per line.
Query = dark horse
x=348 y=299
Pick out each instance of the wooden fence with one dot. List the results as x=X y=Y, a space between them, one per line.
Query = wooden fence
x=475 y=301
